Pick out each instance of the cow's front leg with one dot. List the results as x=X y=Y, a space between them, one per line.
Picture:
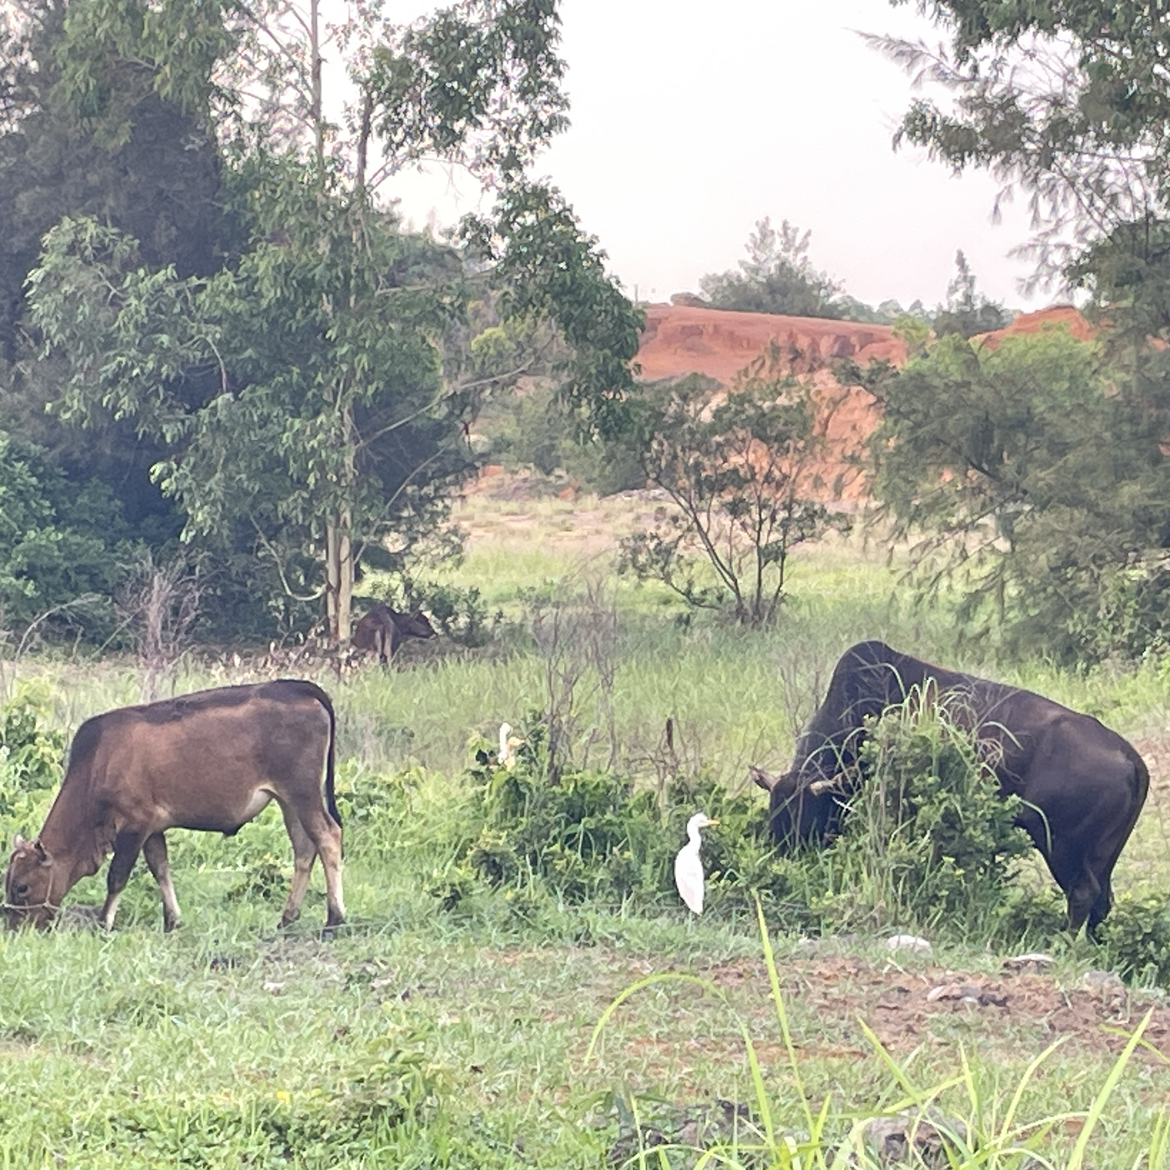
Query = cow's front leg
x=154 y=849
x=127 y=846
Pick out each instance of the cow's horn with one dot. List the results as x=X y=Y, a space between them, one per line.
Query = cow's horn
x=820 y=787
x=762 y=778
x=17 y=841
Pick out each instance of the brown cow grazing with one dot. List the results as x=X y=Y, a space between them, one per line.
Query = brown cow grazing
x=211 y=760
x=382 y=630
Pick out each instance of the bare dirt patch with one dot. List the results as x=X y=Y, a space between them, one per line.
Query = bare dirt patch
x=936 y=1005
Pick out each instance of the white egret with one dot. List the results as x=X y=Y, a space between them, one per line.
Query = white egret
x=506 y=754
x=688 y=867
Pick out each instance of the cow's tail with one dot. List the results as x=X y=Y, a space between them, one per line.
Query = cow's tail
x=1140 y=789
x=331 y=755
x=331 y=763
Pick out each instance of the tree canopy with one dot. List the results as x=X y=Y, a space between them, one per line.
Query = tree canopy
x=1041 y=465
x=777 y=277
x=304 y=390
x=1021 y=477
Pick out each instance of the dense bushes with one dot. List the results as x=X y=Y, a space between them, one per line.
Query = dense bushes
x=30 y=754
x=1137 y=938
x=64 y=546
x=593 y=835
x=928 y=845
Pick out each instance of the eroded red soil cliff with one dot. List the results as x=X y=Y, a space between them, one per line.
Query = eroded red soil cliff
x=685 y=339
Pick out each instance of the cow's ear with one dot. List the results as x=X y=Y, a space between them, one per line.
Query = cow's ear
x=762 y=778
x=42 y=852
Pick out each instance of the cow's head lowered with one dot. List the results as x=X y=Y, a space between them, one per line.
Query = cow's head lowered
x=28 y=885
x=799 y=809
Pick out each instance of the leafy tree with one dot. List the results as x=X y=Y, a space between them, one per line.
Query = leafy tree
x=992 y=462
x=968 y=312
x=1070 y=102
x=741 y=468
x=316 y=388
x=157 y=176
x=777 y=277
x=63 y=546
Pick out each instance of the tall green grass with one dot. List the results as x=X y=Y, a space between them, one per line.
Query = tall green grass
x=439 y=1031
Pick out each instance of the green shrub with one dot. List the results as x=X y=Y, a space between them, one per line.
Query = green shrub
x=461 y=614
x=592 y=835
x=30 y=754
x=1033 y=916
x=929 y=841
x=64 y=549
x=1136 y=936
x=265 y=878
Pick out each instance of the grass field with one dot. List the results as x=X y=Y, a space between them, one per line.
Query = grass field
x=518 y=1031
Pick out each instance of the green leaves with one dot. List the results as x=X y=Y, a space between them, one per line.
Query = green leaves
x=311 y=393
x=777 y=277
x=1029 y=482
x=545 y=267
x=740 y=467
x=477 y=83
x=63 y=546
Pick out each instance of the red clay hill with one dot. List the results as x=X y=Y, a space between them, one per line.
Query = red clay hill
x=681 y=339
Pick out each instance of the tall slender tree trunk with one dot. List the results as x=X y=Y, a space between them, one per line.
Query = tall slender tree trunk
x=315 y=82
x=339 y=576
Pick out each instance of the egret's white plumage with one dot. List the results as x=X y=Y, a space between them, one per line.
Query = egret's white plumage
x=506 y=754
x=688 y=866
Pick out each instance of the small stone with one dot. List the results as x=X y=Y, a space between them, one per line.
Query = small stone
x=968 y=994
x=908 y=942
x=944 y=991
x=909 y=1135
x=1033 y=961
x=1105 y=983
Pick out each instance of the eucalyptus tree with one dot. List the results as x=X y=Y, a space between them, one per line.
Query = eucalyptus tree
x=317 y=387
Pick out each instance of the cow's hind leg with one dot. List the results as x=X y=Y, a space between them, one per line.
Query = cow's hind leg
x=1080 y=885
x=304 y=854
x=154 y=849
x=1100 y=908
x=326 y=836
x=127 y=846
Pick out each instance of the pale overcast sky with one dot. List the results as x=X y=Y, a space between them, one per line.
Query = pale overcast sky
x=692 y=120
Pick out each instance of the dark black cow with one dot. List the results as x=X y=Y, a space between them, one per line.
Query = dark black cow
x=1083 y=785
x=383 y=630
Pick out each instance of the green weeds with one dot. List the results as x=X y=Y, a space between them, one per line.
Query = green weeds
x=964 y=1121
x=495 y=913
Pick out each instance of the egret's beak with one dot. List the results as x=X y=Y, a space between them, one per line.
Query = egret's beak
x=714 y=822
